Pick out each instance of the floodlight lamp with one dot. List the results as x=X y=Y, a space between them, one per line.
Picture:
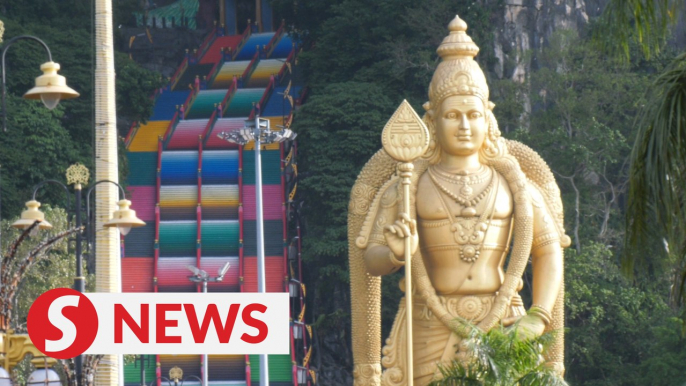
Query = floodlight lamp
x=247 y=134
x=194 y=270
x=233 y=137
x=289 y=134
x=225 y=268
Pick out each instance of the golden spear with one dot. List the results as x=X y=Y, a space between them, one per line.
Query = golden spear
x=405 y=138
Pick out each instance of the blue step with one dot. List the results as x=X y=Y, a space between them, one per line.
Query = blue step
x=248 y=50
x=165 y=105
x=277 y=106
x=283 y=47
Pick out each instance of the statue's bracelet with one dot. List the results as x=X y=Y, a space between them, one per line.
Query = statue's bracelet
x=394 y=260
x=541 y=312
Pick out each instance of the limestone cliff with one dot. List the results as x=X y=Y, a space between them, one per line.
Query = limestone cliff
x=526 y=25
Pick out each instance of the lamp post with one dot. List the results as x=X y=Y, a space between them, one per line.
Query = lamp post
x=200 y=276
x=258 y=130
x=50 y=87
x=124 y=218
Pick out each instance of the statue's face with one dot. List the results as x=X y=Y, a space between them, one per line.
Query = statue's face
x=461 y=125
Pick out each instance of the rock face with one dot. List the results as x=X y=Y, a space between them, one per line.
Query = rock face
x=526 y=25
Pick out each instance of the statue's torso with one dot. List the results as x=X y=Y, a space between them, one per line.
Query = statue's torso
x=451 y=273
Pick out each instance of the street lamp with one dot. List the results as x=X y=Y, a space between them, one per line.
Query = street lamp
x=200 y=276
x=258 y=130
x=124 y=218
x=45 y=377
x=50 y=87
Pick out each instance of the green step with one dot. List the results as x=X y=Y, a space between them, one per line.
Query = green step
x=280 y=368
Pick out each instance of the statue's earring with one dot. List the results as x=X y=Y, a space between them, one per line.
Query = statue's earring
x=493 y=131
x=428 y=121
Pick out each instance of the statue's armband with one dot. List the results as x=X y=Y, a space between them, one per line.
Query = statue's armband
x=383 y=207
x=386 y=214
x=545 y=230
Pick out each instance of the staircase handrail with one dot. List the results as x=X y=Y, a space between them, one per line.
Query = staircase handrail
x=177 y=75
x=207 y=42
x=133 y=130
x=215 y=71
x=296 y=103
x=229 y=95
x=272 y=42
x=208 y=127
x=289 y=58
x=265 y=96
x=177 y=116
x=244 y=38
x=190 y=99
x=250 y=68
x=303 y=95
x=170 y=129
x=248 y=376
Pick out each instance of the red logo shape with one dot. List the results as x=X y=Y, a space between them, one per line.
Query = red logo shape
x=62 y=323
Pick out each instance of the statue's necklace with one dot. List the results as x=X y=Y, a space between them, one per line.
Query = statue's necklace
x=466 y=191
x=469 y=234
x=463 y=179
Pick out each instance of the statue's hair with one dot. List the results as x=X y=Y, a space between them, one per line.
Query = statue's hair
x=493 y=147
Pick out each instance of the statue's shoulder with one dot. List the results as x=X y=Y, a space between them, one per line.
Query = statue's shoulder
x=541 y=181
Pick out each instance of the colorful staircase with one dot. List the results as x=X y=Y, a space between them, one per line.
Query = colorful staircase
x=196 y=193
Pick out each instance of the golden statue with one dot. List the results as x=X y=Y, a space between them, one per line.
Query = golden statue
x=472 y=195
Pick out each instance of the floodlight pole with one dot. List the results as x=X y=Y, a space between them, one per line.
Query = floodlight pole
x=254 y=131
x=261 y=286
x=198 y=277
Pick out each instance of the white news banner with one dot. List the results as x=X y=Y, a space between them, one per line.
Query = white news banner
x=236 y=323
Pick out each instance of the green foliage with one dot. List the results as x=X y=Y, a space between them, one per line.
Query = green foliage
x=339 y=129
x=619 y=333
x=134 y=88
x=387 y=42
x=35 y=147
x=581 y=123
x=501 y=358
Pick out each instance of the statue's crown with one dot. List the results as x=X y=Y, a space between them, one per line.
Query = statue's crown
x=458 y=73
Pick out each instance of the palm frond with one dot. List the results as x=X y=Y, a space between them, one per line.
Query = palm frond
x=501 y=358
x=657 y=193
x=645 y=22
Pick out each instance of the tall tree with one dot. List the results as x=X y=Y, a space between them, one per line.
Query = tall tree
x=657 y=196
